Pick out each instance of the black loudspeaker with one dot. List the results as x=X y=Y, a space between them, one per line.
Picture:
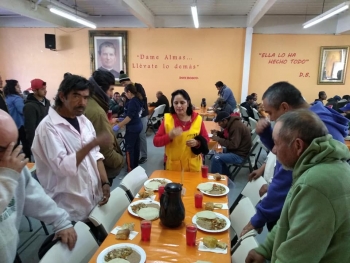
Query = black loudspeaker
x=50 y=41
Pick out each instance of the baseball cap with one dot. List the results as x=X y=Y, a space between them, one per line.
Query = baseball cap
x=221 y=116
x=345 y=108
x=36 y=84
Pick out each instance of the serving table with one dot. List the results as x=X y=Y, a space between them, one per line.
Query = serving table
x=169 y=245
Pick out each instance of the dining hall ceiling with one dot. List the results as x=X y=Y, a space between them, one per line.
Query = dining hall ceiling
x=169 y=13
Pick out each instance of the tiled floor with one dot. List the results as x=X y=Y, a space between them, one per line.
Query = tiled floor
x=31 y=241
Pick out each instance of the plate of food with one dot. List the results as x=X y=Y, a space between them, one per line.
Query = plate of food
x=146 y=209
x=213 y=189
x=154 y=183
x=211 y=222
x=122 y=253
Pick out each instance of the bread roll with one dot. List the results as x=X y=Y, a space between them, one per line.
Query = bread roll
x=123 y=234
x=210 y=242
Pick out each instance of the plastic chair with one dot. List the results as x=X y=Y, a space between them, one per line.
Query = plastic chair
x=243 y=248
x=241 y=215
x=133 y=181
x=155 y=117
x=244 y=114
x=107 y=215
x=84 y=249
x=248 y=161
x=256 y=114
x=251 y=190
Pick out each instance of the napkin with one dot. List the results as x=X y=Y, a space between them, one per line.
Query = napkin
x=217 y=250
x=224 y=205
x=211 y=177
x=132 y=235
x=152 y=197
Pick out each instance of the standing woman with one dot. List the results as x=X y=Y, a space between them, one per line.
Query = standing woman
x=133 y=124
x=15 y=105
x=183 y=134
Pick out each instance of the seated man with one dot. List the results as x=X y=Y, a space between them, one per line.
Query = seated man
x=235 y=137
x=69 y=165
x=161 y=99
x=248 y=104
x=20 y=194
x=314 y=223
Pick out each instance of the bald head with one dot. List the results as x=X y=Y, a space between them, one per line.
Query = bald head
x=8 y=129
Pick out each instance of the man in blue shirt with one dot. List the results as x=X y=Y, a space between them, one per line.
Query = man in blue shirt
x=280 y=98
x=226 y=93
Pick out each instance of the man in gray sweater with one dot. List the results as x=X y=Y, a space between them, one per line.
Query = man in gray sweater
x=20 y=194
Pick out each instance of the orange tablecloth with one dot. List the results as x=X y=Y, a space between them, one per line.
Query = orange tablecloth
x=205 y=114
x=210 y=125
x=150 y=110
x=169 y=245
x=347 y=144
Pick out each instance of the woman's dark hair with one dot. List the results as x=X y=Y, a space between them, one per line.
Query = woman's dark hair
x=104 y=79
x=72 y=83
x=132 y=89
x=10 y=87
x=220 y=102
x=253 y=94
x=184 y=94
x=346 y=97
x=249 y=97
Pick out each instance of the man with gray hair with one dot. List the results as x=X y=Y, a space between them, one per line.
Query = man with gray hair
x=278 y=99
x=314 y=223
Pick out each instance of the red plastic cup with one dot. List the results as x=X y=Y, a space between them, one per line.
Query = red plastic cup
x=191 y=232
x=160 y=191
x=146 y=227
x=109 y=115
x=204 y=171
x=198 y=200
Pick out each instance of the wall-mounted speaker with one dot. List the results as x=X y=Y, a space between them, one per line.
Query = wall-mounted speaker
x=50 y=41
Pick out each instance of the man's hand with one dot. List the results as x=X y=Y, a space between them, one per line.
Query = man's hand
x=215 y=138
x=106 y=189
x=246 y=229
x=262 y=125
x=12 y=159
x=175 y=132
x=214 y=132
x=68 y=236
x=192 y=143
x=254 y=257
x=263 y=189
x=255 y=175
x=104 y=139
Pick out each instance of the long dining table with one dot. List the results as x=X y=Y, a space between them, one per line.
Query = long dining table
x=169 y=245
x=210 y=125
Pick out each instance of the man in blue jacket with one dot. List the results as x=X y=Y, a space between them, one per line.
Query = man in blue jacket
x=226 y=93
x=278 y=99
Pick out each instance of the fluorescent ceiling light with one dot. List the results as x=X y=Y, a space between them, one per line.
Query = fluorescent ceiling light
x=195 y=16
x=71 y=16
x=332 y=12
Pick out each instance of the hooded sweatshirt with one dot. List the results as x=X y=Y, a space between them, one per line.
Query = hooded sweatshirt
x=314 y=224
x=34 y=111
x=269 y=209
x=20 y=195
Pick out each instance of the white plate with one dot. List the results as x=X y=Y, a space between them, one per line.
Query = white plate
x=152 y=179
x=228 y=224
x=225 y=193
x=347 y=138
x=210 y=111
x=210 y=135
x=101 y=256
x=141 y=201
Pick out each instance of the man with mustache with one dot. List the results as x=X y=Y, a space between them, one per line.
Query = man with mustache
x=68 y=162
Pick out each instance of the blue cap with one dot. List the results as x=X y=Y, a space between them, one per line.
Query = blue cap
x=345 y=108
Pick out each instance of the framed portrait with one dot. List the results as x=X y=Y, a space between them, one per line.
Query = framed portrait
x=108 y=51
x=332 y=65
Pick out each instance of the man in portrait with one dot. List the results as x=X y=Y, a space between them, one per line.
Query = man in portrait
x=107 y=53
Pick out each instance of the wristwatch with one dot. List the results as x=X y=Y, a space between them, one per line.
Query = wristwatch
x=106 y=183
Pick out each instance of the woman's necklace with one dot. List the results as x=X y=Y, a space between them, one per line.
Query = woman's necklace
x=184 y=123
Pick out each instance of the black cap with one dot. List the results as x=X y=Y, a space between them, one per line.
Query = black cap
x=222 y=115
